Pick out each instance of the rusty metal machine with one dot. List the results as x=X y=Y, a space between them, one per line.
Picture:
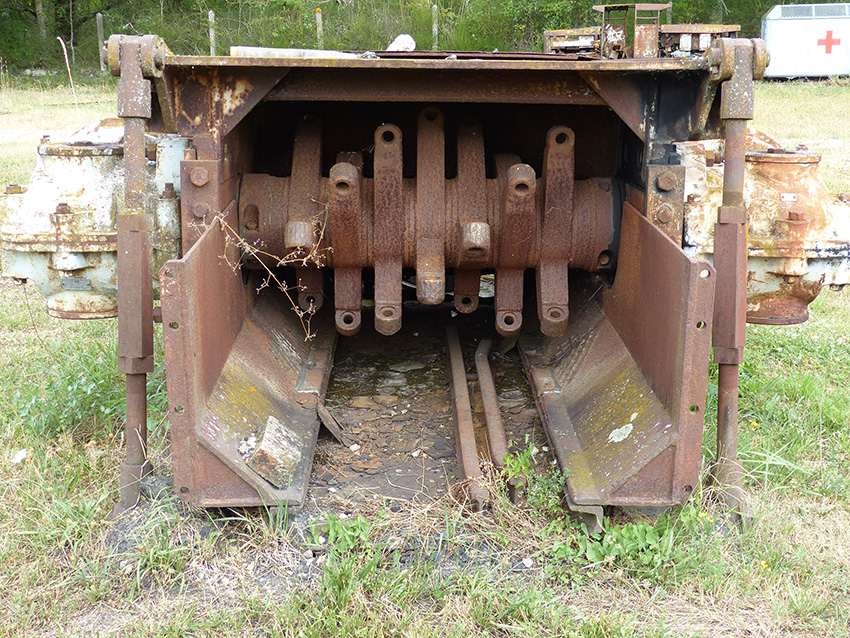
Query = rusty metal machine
x=267 y=195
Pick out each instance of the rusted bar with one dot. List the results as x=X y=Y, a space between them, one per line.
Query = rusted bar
x=472 y=220
x=467 y=287
x=556 y=233
x=136 y=464
x=465 y=445
x=388 y=228
x=305 y=208
x=517 y=239
x=490 y=399
x=344 y=218
x=135 y=288
x=736 y=63
x=430 y=208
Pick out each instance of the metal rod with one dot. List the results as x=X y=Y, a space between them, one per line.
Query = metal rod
x=729 y=473
x=731 y=259
x=136 y=465
x=493 y=416
x=135 y=290
x=492 y=413
x=465 y=445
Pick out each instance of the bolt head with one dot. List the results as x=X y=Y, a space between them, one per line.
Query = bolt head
x=201 y=210
x=666 y=181
x=664 y=214
x=199 y=176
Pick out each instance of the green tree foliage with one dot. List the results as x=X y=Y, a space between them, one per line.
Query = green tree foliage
x=507 y=25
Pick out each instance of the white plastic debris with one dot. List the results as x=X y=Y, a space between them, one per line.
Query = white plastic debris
x=354 y=447
x=19 y=456
x=403 y=43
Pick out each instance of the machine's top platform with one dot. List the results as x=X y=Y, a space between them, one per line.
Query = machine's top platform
x=442 y=60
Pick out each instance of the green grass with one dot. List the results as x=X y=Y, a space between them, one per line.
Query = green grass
x=172 y=572
x=47 y=106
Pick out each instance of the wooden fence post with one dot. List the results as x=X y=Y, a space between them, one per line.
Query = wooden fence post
x=211 y=16
x=434 y=28
x=99 y=17
x=320 y=30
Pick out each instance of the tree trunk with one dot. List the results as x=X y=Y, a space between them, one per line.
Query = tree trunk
x=39 y=15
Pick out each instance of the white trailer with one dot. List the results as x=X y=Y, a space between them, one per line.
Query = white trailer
x=807 y=40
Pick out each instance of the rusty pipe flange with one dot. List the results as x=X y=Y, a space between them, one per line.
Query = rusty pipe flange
x=761 y=58
x=153 y=53
x=721 y=59
x=113 y=55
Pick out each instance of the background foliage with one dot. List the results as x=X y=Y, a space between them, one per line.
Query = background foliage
x=349 y=24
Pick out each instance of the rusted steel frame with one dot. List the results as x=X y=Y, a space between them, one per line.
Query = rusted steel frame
x=467 y=450
x=479 y=64
x=556 y=233
x=200 y=180
x=518 y=232
x=490 y=399
x=472 y=222
x=434 y=86
x=626 y=96
x=135 y=287
x=430 y=207
x=737 y=63
x=305 y=211
x=622 y=393
x=388 y=228
x=214 y=101
x=344 y=221
x=665 y=199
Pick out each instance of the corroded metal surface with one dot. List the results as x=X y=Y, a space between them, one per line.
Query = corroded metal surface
x=798 y=235
x=622 y=394
x=469 y=466
x=432 y=223
x=355 y=179
x=251 y=362
x=59 y=232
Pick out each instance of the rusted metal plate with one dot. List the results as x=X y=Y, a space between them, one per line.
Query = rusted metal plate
x=622 y=393
x=248 y=361
x=482 y=62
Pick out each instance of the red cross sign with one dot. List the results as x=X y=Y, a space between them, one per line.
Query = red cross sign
x=829 y=42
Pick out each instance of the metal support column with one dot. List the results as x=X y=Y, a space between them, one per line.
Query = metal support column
x=737 y=63
x=135 y=288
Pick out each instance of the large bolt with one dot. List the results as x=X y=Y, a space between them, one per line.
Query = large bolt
x=169 y=192
x=664 y=214
x=62 y=208
x=201 y=210
x=199 y=176
x=666 y=181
